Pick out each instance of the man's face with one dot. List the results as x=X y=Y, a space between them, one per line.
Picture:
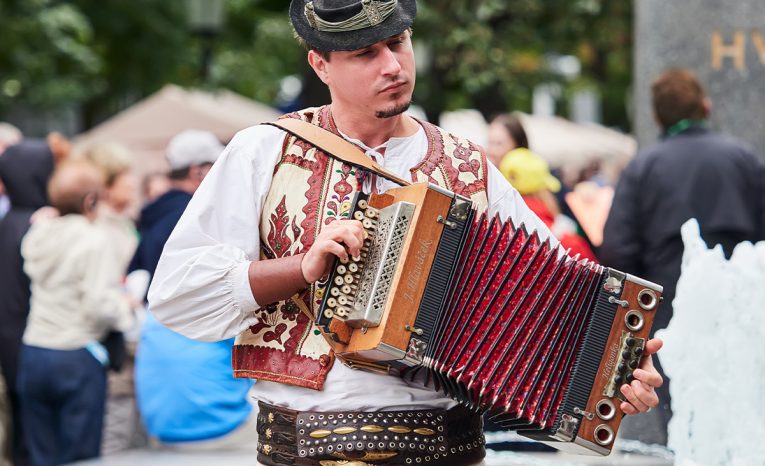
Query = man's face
x=378 y=79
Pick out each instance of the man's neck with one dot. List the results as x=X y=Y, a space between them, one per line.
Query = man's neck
x=185 y=185
x=373 y=131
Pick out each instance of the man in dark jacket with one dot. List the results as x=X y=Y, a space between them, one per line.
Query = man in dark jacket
x=24 y=169
x=691 y=173
x=190 y=155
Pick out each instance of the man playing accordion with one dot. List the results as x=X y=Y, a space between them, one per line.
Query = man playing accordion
x=271 y=217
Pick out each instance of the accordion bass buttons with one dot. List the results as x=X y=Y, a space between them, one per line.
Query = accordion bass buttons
x=628 y=359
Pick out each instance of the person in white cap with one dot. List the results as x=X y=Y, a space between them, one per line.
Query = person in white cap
x=184 y=388
x=190 y=155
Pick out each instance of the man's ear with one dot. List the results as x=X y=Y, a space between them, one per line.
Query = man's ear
x=59 y=146
x=319 y=65
x=707 y=106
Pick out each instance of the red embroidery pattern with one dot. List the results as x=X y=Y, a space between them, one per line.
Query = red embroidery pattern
x=277 y=235
x=342 y=194
x=463 y=153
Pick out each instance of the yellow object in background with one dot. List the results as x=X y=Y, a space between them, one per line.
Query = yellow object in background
x=528 y=172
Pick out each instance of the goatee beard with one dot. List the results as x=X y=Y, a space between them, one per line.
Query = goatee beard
x=398 y=110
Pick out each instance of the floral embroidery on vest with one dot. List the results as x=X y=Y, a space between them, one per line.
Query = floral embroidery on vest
x=310 y=190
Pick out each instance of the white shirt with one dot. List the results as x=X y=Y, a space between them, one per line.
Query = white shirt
x=201 y=287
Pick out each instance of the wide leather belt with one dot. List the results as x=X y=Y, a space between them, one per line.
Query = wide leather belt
x=433 y=437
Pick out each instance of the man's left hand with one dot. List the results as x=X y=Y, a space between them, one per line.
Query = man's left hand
x=641 y=392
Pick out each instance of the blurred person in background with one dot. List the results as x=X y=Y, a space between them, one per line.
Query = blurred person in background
x=24 y=168
x=153 y=186
x=505 y=134
x=190 y=155
x=187 y=396
x=5 y=424
x=115 y=211
x=530 y=175
x=120 y=198
x=691 y=172
x=76 y=298
x=9 y=135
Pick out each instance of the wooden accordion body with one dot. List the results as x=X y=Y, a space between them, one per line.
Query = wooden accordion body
x=497 y=319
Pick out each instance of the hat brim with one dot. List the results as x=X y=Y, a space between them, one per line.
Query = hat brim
x=399 y=21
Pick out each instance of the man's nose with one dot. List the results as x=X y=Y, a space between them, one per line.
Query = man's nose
x=390 y=65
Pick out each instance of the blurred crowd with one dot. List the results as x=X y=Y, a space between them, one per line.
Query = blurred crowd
x=87 y=371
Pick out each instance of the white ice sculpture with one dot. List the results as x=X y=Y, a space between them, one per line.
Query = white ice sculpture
x=714 y=352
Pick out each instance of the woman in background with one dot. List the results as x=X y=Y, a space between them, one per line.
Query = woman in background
x=530 y=174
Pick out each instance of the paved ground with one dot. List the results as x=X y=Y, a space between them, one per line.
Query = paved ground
x=648 y=456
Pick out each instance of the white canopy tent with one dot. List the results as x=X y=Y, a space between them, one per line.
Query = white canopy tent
x=146 y=127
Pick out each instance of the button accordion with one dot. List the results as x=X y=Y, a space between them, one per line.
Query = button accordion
x=489 y=314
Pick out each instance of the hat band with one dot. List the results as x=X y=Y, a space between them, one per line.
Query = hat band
x=371 y=14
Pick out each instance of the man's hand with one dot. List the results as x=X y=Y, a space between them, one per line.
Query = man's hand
x=340 y=238
x=641 y=393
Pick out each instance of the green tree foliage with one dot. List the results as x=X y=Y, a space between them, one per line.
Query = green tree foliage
x=256 y=49
x=47 y=54
x=487 y=54
x=491 y=53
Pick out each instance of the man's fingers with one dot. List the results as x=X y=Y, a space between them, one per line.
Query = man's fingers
x=629 y=393
x=652 y=346
x=651 y=378
x=645 y=394
x=336 y=249
x=628 y=408
x=350 y=233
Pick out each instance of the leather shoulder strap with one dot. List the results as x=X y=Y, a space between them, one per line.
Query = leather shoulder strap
x=335 y=146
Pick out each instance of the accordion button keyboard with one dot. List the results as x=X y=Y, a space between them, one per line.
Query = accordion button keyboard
x=348 y=272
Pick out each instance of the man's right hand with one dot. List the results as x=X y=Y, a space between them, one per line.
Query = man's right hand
x=340 y=238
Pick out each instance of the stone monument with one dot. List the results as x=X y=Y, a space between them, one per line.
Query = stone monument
x=723 y=42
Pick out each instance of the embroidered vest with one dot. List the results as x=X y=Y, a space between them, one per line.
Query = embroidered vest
x=310 y=190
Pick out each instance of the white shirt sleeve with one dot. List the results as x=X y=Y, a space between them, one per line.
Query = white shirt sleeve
x=506 y=201
x=201 y=287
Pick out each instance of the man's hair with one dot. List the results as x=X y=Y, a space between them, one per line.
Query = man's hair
x=112 y=158
x=301 y=42
x=182 y=173
x=9 y=134
x=72 y=183
x=677 y=95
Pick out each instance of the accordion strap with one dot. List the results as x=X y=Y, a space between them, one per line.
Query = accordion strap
x=335 y=146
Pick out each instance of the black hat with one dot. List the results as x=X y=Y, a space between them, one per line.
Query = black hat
x=330 y=25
